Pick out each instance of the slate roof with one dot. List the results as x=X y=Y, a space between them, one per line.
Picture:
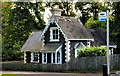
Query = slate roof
x=99 y=37
x=32 y=42
x=72 y=27
x=50 y=48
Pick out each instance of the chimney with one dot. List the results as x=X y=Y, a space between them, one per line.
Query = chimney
x=56 y=11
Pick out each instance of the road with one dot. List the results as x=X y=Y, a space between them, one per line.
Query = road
x=53 y=74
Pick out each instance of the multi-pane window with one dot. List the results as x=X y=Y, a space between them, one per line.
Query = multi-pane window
x=54 y=33
x=35 y=57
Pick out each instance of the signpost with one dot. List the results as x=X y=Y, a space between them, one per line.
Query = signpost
x=103 y=18
x=108 y=63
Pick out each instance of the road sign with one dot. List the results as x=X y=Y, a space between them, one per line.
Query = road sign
x=102 y=17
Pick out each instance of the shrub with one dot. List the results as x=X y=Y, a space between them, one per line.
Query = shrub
x=92 y=51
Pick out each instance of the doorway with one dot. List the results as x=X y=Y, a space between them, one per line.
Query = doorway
x=49 y=58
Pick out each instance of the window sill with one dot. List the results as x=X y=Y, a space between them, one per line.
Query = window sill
x=35 y=62
x=54 y=40
x=55 y=63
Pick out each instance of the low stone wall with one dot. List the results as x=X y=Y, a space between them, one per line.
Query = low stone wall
x=78 y=64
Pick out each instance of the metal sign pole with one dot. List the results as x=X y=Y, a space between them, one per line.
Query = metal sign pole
x=108 y=63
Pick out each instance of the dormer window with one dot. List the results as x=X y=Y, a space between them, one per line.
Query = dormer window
x=54 y=34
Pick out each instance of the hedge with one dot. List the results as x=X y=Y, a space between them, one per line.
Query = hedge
x=92 y=51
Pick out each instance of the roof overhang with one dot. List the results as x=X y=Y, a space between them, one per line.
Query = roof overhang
x=82 y=39
x=48 y=49
x=113 y=46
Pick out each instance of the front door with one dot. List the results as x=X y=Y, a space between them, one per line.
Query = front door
x=48 y=57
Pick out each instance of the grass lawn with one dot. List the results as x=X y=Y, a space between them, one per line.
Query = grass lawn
x=7 y=74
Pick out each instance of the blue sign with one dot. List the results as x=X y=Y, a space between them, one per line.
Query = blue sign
x=102 y=20
x=102 y=17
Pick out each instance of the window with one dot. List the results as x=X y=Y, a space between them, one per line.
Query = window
x=44 y=57
x=54 y=34
x=35 y=57
x=53 y=57
x=58 y=57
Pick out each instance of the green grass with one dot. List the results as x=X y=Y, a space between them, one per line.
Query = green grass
x=7 y=74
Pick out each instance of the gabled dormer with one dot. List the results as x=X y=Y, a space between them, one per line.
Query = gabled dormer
x=53 y=32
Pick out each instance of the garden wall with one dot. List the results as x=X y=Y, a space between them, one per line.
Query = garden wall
x=78 y=64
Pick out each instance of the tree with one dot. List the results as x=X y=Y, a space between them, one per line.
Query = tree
x=36 y=9
x=85 y=13
x=115 y=25
x=89 y=9
x=18 y=23
x=114 y=20
x=67 y=8
x=91 y=23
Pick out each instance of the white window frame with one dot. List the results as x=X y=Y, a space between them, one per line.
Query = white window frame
x=53 y=57
x=76 y=49
x=44 y=58
x=56 y=57
x=51 y=34
x=60 y=57
x=33 y=57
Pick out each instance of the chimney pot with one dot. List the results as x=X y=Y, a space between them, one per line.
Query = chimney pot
x=58 y=6
x=56 y=11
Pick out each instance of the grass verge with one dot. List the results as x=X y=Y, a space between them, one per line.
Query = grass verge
x=7 y=74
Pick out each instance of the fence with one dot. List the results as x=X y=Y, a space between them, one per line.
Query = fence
x=78 y=64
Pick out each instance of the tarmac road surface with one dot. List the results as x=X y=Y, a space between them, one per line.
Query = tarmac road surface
x=53 y=73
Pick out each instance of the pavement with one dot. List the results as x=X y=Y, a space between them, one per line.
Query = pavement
x=53 y=73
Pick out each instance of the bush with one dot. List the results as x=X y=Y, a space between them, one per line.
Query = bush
x=92 y=51
x=12 y=53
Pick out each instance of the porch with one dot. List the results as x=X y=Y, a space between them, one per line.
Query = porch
x=48 y=54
